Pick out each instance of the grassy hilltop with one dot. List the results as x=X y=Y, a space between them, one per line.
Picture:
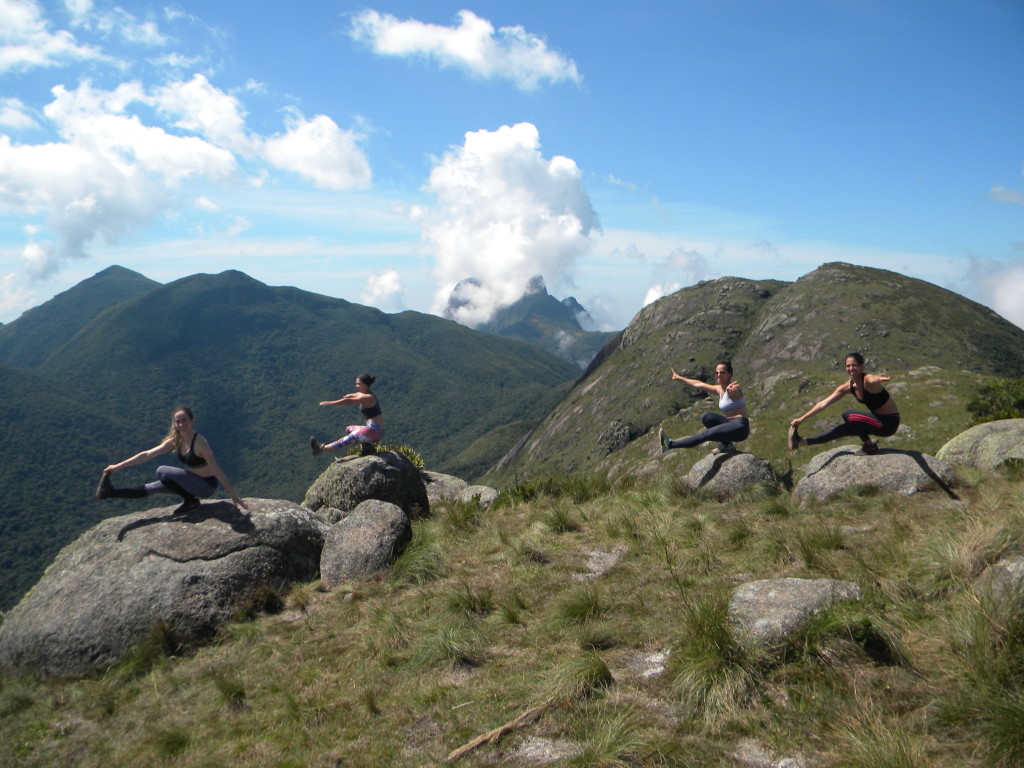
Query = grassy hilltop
x=787 y=342
x=592 y=622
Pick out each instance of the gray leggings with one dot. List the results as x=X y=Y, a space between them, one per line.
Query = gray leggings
x=186 y=482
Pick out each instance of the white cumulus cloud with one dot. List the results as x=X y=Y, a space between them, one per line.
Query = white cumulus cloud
x=504 y=214
x=473 y=46
x=682 y=267
x=26 y=41
x=321 y=152
x=112 y=173
x=1001 y=285
x=384 y=289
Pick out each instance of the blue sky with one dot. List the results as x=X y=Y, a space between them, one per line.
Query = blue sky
x=383 y=152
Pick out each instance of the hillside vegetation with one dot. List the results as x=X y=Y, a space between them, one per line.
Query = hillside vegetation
x=253 y=362
x=588 y=627
x=787 y=342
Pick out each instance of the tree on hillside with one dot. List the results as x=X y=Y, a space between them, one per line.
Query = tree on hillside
x=998 y=399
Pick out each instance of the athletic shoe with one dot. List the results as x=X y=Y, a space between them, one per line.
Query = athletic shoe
x=870 y=447
x=106 y=488
x=727 y=447
x=793 y=439
x=315 y=445
x=367 y=449
x=187 y=506
x=663 y=439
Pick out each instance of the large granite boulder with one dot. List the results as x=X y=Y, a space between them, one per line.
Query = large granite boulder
x=769 y=613
x=106 y=590
x=366 y=542
x=986 y=446
x=349 y=481
x=726 y=474
x=839 y=470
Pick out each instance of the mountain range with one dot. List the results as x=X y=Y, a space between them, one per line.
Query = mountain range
x=91 y=377
x=540 y=319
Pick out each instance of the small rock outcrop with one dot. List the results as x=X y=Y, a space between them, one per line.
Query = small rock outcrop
x=365 y=543
x=986 y=446
x=442 y=488
x=832 y=473
x=106 y=590
x=386 y=476
x=1004 y=580
x=483 y=495
x=768 y=614
x=728 y=474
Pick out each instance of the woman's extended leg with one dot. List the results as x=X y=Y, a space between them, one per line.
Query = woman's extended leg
x=718 y=428
x=861 y=425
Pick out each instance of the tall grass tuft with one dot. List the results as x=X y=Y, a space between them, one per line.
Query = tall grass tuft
x=560 y=519
x=422 y=560
x=867 y=740
x=580 y=605
x=714 y=676
x=614 y=742
x=454 y=644
x=581 y=677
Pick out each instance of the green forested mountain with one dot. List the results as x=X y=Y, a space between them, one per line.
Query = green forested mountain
x=253 y=362
x=787 y=342
x=27 y=341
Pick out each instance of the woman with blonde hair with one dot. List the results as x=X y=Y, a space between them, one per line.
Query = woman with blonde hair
x=197 y=480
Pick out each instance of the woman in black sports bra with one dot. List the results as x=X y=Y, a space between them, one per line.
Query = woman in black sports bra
x=368 y=434
x=197 y=481
x=866 y=388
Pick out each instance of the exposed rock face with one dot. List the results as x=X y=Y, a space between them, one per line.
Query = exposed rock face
x=986 y=446
x=364 y=543
x=769 y=613
x=727 y=474
x=834 y=472
x=385 y=476
x=105 y=591
x=441 y=487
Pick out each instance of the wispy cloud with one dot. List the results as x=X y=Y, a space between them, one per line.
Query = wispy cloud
x=26 y=41
x=473 y=45
x=1006 y=195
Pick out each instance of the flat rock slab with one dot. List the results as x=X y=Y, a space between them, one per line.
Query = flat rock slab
x=986 y=446
x=769 y=613
x=106 y=590
x=843 y=469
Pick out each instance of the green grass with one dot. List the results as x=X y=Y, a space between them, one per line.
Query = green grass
x=495 y=618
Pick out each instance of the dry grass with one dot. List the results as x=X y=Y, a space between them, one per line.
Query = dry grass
x=488 y=615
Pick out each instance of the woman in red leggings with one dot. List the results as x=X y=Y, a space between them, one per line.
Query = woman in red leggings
x=866 y=388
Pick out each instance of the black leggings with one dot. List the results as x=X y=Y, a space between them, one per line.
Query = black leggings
x=719 y=428
x=858 y=424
